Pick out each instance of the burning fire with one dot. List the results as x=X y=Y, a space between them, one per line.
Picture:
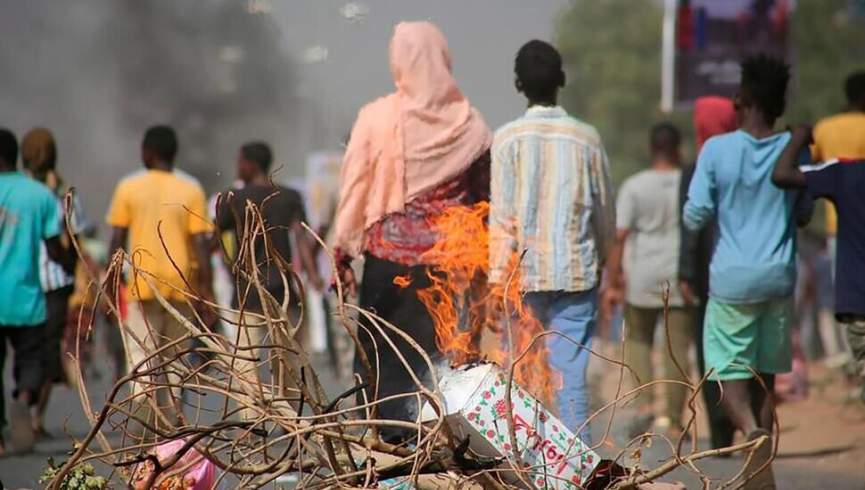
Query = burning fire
x=464 y=306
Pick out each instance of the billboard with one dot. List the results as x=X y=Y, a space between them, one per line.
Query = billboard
x=709 y=39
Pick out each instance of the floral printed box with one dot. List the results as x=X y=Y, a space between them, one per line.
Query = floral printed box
x=474 y=400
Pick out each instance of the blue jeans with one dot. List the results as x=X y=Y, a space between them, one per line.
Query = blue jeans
x=574 y=315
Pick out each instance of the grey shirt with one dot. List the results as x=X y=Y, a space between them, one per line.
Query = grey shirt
x=648 y=207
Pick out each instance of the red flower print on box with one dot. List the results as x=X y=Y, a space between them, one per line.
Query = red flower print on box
x=501 y=408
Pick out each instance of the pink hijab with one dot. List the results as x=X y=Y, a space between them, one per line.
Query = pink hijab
x=409 y=142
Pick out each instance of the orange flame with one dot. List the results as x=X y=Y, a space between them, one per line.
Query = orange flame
x=465 y=308
x=402 y=281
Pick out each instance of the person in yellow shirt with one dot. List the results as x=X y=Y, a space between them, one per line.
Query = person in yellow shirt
x=158 y=214
x=842 y=135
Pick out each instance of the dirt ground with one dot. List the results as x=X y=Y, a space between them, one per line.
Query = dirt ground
x=822 y=441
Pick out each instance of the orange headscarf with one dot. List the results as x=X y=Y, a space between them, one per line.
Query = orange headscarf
x=713 y=115
x=410 y=141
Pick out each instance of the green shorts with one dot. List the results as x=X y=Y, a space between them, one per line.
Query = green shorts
x=739 y=337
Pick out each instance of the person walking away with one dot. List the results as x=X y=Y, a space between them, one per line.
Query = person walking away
x=841 y=136
x=282 y=212
x=753 y=269
x=644 y=263
x=39 y=155
x=159 y=215
x=551 y=197
x=713 y=116
x=411 y=155
x=841 y=182
x=29 y=216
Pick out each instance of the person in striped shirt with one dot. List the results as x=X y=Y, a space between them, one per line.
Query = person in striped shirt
x=39 y=154
x=552 y=199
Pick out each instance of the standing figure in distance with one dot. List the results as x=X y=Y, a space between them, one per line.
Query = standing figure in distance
x=643 y=263
x=551 y=197
x=157 y=211
x=29 y=216
x=411 y=155
x=753 y=270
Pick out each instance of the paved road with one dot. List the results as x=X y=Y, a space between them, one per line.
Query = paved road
x=803 y=468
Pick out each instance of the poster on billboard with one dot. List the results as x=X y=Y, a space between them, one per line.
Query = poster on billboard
x=705 y=40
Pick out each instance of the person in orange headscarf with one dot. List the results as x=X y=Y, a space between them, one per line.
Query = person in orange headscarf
x=39 y=154
x=713 y=115
x=411 y=154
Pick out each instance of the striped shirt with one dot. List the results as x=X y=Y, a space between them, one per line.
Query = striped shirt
x=51 y=274
x=551 y=197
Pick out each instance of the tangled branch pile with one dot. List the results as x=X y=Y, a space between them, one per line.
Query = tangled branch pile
x=260 y=411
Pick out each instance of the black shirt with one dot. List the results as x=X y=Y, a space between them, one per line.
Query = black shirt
x=843 y=183
x=281 y=208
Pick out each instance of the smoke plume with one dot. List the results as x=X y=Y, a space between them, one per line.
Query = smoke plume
x=98 y=72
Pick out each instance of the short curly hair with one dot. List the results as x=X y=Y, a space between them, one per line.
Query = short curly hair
x=538 y=68
x=854 y=88
x=764 y=84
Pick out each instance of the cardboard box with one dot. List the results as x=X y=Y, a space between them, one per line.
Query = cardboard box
x=474 y=401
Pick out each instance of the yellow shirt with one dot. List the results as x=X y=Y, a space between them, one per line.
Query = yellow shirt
x=839 y=136
x=150 y=202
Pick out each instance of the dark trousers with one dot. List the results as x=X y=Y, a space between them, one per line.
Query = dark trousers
x=721 y=428
x=402 y=308
x=27 y=343
x=56 y=318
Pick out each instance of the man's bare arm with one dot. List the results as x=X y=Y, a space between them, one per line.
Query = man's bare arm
x=615 y=276
x=787 y=174
x=203 y=245
x=58 y=253
x=118 y=239
x=306 y=255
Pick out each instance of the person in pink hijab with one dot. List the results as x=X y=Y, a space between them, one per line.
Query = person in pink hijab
x=411 y=155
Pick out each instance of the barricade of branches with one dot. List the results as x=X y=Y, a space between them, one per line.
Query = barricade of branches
x=256 y=409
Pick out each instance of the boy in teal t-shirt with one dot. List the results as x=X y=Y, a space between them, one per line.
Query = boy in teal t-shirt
x=753 y=269
x=29 y=215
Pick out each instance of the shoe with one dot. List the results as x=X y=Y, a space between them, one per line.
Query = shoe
x=762 y=456
x=22 y=437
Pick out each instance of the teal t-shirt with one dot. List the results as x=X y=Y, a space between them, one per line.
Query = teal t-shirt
x=28 y=215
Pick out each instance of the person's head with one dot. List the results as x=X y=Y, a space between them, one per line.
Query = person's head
x=664 y=142
x=854 y=87
x=763 y=89
x=159 y=147
x=713 y=115
x=538 y=70
x=420 y=62
x=39 y=152
x=253 y=160
x=8 y=150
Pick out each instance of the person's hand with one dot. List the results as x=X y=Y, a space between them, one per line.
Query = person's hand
x=611 y=297
x=346 y=277
x=687 y=292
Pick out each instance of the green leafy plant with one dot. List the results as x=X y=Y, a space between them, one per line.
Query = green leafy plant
x=82 y=477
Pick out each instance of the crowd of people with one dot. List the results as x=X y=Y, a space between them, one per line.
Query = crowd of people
x=708 y=251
